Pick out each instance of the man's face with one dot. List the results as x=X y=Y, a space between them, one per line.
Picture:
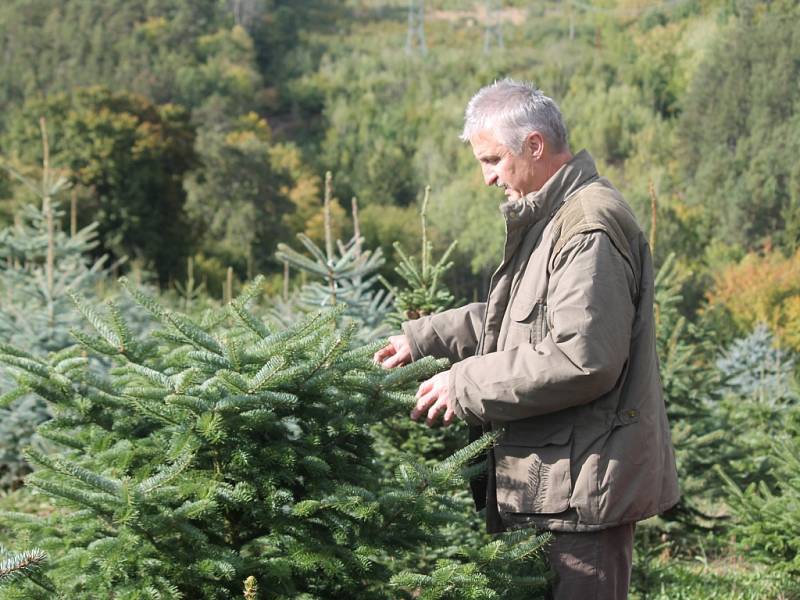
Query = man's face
x=515 y=173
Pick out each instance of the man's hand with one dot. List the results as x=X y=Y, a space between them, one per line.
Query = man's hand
x=394 y=354
x=433 y=398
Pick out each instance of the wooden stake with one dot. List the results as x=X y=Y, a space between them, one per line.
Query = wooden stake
x=189 y=288
x=48 y=212
x=327 y=215
x=356 y=226
x=653 y=216
x=329 y=233
x=18 y=226
x=50 y=264
x=73 y=213
x=286 y=281
x=571 y=21
x=46 y=156
x=229 y=286
x=425 y=231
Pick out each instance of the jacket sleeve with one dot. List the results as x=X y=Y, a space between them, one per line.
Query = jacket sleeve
x=590 y=303
x=453 y=334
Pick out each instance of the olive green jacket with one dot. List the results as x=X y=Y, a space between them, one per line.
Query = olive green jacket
x=561 y=359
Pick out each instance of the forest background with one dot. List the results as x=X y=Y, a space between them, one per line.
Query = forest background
x=198 y=133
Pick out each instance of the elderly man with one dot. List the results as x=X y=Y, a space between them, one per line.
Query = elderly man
x=561 y=358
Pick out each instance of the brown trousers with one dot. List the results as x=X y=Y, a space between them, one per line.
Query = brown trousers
x=593 y=565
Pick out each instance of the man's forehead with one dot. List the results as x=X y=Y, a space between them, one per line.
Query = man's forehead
x=485 y=142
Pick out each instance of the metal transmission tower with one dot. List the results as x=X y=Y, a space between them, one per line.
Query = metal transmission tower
x=493 y=34
x=415 y=39
x=244 y=11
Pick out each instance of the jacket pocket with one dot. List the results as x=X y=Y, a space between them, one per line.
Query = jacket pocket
x=533 y=470
x=529 y=319
x=613 y=480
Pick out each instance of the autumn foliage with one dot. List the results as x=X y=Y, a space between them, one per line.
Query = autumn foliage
x=762 y=288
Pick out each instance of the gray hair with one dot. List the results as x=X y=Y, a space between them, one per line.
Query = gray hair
x=513 y=110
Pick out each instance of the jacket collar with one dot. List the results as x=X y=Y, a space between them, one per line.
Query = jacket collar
x=575 y=173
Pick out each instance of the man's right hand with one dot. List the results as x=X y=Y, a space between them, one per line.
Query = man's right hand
x=394 y=354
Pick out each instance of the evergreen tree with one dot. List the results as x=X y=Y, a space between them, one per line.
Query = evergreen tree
x=753 y=366
x=759 y=406
x=767 y=525
x=690 y=382
x=343 y=274
x=725 y=410
x=40 y=265
x=761 y=413
x=36 y=312
x=220 y=449
x=424 y=292
x=399 y=439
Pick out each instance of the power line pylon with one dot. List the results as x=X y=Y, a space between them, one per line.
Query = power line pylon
x=415 y=38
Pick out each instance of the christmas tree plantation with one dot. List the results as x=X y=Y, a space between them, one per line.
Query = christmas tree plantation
x=219 y=450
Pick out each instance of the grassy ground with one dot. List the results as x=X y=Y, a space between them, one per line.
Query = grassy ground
x=725 y=577
x=684 y=580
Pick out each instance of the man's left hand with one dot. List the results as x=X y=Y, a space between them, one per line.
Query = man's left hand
x=433 y=399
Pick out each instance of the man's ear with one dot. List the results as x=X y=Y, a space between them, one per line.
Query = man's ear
x=534 y=144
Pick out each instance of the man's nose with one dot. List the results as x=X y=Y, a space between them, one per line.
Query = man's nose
x=489 y=176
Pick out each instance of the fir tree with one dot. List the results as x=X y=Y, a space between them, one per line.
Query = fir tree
x=767 y=525
x=343 y=273
x=40 y=265
x=221 y=449
x=691 y=383
x=759 y=407
x=424 y=292
x=724 y=409
x=753 y=366
x=400 y=440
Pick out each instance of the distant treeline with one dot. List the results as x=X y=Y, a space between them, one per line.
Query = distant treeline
x=203 y=128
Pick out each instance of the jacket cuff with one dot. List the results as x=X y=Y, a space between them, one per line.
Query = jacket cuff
x=461 y=413
x=408 y=331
